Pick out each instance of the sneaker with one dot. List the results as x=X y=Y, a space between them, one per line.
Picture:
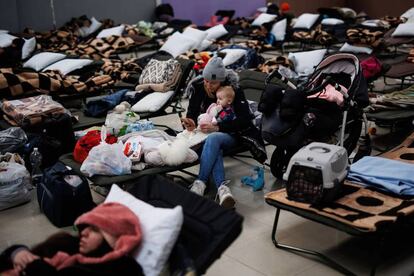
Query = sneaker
x=225 y=197
x=198 y=187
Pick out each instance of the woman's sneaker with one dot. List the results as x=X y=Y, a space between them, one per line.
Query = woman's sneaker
x=225 y=197
x=198 y=187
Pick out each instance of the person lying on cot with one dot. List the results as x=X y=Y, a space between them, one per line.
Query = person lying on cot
x=108 y=235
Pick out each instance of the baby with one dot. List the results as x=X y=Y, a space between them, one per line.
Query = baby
x=222 y=110
x=217 y=112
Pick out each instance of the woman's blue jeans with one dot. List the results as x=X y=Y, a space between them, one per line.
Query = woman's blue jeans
x=211 y=160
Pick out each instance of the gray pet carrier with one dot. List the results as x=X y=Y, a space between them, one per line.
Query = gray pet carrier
x=316 y=172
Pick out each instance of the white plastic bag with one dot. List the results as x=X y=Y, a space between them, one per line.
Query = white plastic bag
x=106 y=159
x=116 y=121
x=14 y=185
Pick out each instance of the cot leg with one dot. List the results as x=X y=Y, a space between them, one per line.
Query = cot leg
x=324 y=258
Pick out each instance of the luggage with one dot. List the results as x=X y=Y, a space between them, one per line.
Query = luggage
x=63 y=195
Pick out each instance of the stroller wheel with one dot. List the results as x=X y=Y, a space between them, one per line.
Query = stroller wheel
x=279 y=161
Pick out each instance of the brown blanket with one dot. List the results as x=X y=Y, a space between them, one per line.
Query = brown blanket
x=14 y=82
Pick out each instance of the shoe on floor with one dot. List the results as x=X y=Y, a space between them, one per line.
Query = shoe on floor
x=198 y=187
x=225 y=197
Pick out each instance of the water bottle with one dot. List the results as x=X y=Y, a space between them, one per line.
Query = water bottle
x=36 y=161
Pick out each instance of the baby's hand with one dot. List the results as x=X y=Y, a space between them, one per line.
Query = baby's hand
x=23 y=258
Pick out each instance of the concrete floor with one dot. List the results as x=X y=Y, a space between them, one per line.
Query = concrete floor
x=253 y=252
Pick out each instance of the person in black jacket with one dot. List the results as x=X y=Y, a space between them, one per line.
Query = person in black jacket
x=109 y=234
x=223 y=135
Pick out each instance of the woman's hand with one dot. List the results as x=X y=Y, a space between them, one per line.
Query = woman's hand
x=188 y=124
x=208 y=128
x=23 y=258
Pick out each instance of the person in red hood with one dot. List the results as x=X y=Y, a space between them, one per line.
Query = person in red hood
x=109 y=234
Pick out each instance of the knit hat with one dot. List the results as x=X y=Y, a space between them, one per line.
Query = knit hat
x=214 y=70
x=284 y=7
x=120 y=228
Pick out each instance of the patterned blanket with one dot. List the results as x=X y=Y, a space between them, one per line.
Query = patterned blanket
x=366 y=37
x=15 y=82
x=317 y=35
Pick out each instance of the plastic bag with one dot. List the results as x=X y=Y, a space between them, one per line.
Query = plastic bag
x=12 y=139
x=14 y=185
x=116 y=121
x=106 y=159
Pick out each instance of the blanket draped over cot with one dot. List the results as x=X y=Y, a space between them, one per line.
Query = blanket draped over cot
x=14 y=82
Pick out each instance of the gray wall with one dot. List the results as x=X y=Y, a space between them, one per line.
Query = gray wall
x=8 y=15
x=15 y=15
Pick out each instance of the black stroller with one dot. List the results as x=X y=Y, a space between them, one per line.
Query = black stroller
x=292 y=119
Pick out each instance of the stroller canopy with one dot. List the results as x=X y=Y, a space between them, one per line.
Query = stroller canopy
x=343 y=64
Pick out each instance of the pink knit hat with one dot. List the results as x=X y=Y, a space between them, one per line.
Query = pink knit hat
x=120 y=227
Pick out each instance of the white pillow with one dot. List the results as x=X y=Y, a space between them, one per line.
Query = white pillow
x=305 y=62
x=41 y=60
x=233 y=55
x=306 y=21
x=178 y=44
x=68 y=65
x=355 y=49
x=205 y=44
x=6 y=40
x=405 y=29
x=195 y=34
x=372 y=23
x=160 y=228
x=4 y=31
x=279 y=30
x=409 y=13
x=116 y=31
x=216 y=32
x=332 y=21
x=28 y=47
x=152 y=102
x=263 y=18
x=95 y=25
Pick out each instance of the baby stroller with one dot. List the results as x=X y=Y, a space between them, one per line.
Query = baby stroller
x=293 y=117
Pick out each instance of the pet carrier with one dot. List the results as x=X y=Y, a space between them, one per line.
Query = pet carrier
x=316 y=172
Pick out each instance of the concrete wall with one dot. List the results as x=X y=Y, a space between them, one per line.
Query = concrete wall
x=15 y=15
x=199 y=11
x=8 y=15
x=376 y=9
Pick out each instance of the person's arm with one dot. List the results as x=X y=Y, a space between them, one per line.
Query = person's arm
x=194 y=104
x=243 y=115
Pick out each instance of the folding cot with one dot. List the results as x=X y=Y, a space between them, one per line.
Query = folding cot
x=208 y=229
x=174 y=102
x=360 y=211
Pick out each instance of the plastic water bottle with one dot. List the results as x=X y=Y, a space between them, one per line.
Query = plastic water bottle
x=36 y=161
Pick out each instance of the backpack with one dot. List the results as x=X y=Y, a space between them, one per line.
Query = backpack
x=63 y=195
x=371 y=67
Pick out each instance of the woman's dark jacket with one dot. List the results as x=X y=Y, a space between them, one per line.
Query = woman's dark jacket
x=241 y=127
